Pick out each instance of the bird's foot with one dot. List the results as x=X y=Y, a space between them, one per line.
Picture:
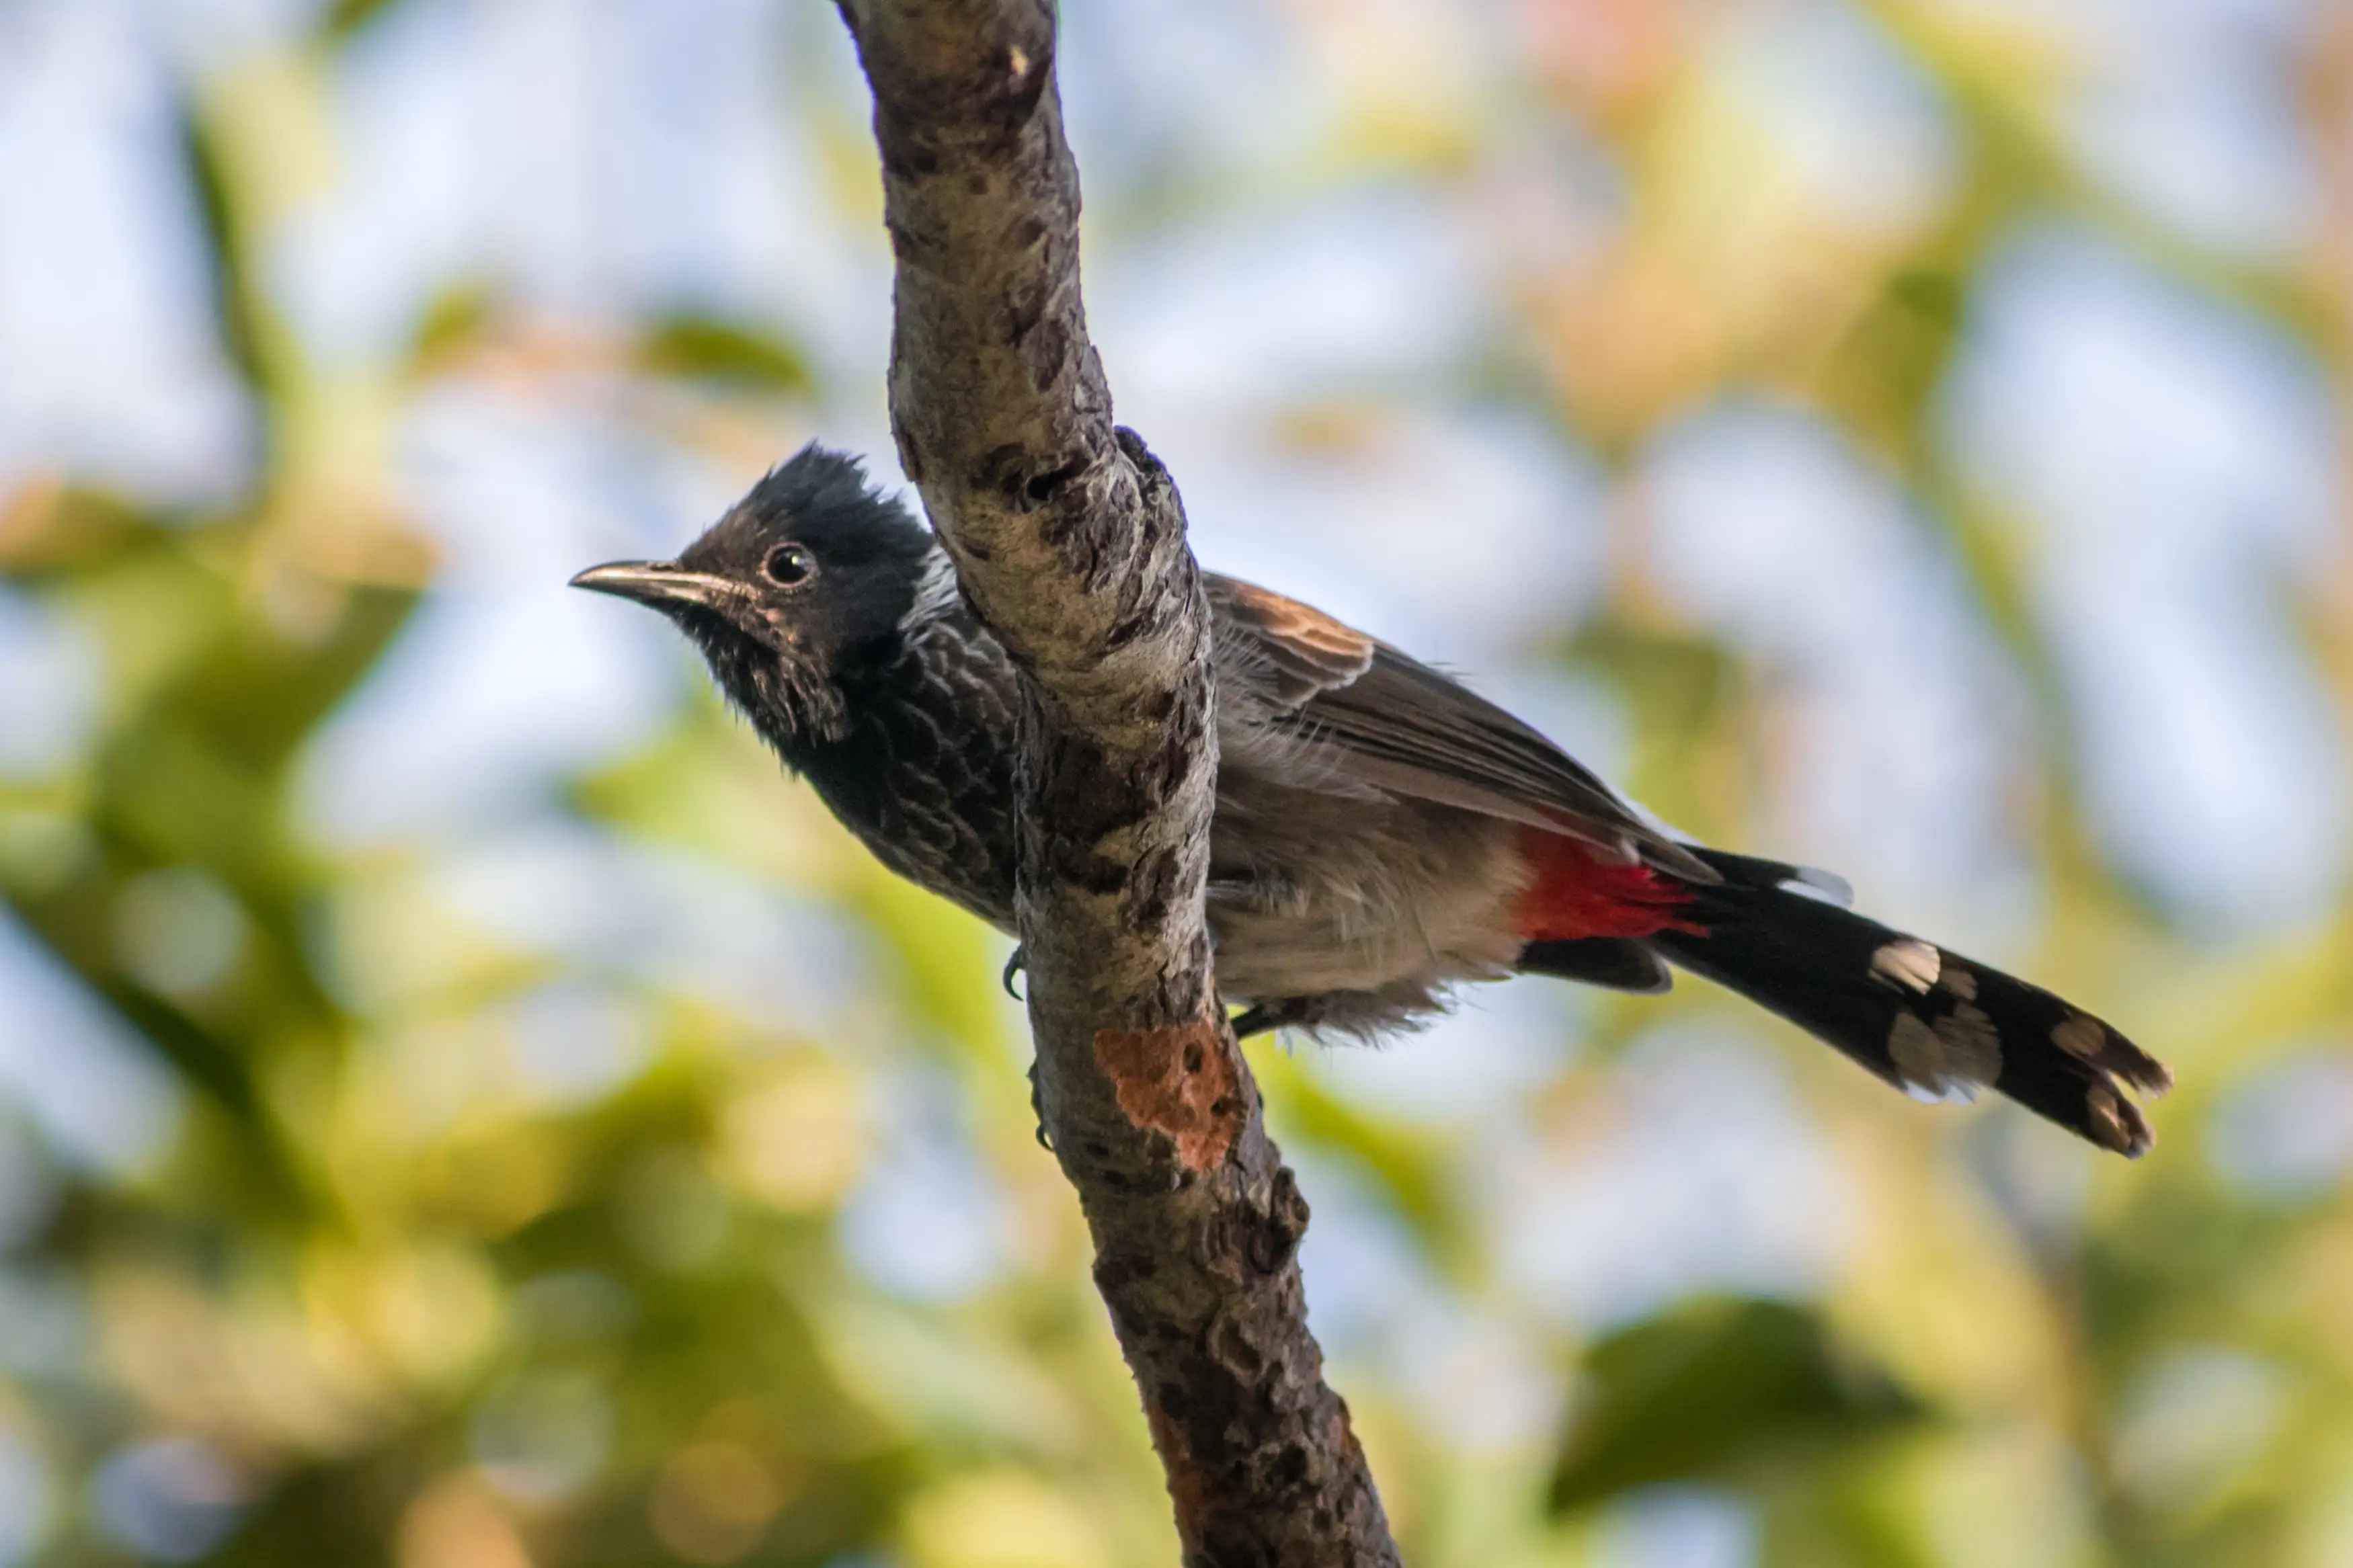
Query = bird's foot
x=1017 y=964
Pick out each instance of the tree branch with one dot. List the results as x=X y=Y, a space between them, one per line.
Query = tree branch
x=1068 y=537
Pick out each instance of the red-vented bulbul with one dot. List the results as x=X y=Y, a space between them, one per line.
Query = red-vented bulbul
x=1381 y=833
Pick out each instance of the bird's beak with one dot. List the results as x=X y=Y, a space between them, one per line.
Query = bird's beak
x=664 y=585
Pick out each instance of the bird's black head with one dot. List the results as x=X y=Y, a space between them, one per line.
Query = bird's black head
x=803 y=582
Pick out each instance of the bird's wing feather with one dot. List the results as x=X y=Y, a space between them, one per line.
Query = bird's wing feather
x=1415 y=732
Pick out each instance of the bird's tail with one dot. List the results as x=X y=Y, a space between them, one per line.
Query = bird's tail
x=1921 y=1017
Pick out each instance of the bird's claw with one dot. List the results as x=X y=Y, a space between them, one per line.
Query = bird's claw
x=1017 y=964
x=1038 y=1109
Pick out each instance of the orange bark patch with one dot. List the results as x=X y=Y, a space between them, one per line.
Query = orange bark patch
x=1181 y=1081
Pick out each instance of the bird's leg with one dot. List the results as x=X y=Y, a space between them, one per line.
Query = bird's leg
x=1285 y=1013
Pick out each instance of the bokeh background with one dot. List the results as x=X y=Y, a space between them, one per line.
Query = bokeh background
x=461 y=1108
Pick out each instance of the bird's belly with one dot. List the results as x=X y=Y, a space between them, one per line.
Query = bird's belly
x=1388 y=899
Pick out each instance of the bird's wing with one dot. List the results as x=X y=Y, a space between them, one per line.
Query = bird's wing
x=1414 y=731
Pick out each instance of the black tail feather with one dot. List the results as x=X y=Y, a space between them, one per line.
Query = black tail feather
x=1616 y=963
x=1919 y=1017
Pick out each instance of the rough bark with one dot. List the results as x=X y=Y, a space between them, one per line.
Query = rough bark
x=1068 y=537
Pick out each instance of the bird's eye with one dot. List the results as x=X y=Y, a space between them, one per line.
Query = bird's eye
x=790 y=565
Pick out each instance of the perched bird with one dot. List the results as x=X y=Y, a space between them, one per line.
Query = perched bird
x=1381 y=834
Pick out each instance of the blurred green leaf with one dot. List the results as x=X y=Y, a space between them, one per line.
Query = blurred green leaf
x=452 y=320
x=260 y=693
x=239 y=311
x=1685 y=691
x=1406 y=1162
x=2017 y=125
x=52 y=531
x=345 y=18
x=72 y=928
x=709 y=348
x=940 y=949
x=1710 y=1388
